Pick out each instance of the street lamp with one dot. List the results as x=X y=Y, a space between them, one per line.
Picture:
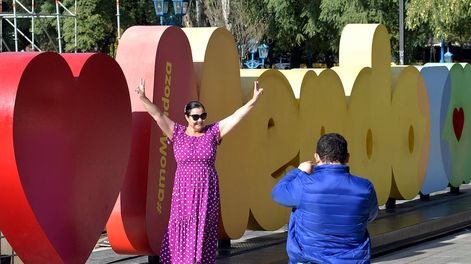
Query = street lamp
x=180 y=7
x=161 y=8
x=448 y=57
x=263 y=53
x=252 y=63
x=442 y=50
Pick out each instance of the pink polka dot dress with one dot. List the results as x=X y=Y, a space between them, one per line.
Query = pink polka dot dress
x=192 y=229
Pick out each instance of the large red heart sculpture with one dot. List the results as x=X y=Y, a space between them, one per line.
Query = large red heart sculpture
x=458 y=122
x=65 y=137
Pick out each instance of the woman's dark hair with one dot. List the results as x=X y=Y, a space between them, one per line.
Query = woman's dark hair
x=193 y=104
x=332 y=147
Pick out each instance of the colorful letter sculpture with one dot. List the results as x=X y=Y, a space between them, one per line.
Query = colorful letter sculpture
x=65 y=135
x=457 y=124
x=274 y=123
x=438 y=83
x=410 y=137
x=216 y=65
x=383 y=112
x=162 y=56
x=72 y=133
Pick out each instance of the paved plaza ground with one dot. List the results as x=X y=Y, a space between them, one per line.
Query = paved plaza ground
x=434 y=231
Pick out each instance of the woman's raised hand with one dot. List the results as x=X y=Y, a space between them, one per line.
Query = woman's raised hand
x=141 y=88
x=228 y=123
x=257 y=91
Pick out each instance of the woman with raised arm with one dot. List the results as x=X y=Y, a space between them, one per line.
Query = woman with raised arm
x=191 y=235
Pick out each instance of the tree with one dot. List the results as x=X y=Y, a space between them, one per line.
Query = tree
x=248 y=24
x=195 y=14
x=450 y=19
x=213 y=10
x=199 y=13
x=217 y=12
x=339 y=13
x=138 y=12
x=93 y=25
x=436 y=19
x=289 y=26
x=96 y=23
x=246 y=19
x=22 y=24
x=306 y=29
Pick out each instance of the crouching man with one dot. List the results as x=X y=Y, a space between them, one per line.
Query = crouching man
x=331 y=207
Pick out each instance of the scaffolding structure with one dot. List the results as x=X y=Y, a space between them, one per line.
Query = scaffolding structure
x=26 y=13
x=117 y=19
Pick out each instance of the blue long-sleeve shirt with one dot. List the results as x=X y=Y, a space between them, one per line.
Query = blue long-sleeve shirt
x=331 y=209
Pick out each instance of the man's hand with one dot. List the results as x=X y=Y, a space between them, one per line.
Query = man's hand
x=306 y=166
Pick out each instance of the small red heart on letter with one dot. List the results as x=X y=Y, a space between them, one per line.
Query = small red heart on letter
x=65 y=123
x=458 y=122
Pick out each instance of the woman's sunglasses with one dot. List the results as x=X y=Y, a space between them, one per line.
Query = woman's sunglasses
x=195 y=117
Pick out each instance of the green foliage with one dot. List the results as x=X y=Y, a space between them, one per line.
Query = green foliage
x=308 y=30
x=318 y=24
x=46 y=28
x=96 y=23
x=248 y=23
x=137 y=12
x=288 y=18
x=95 y=29
x=342 y=12
x=450 y=19
x=8 y=30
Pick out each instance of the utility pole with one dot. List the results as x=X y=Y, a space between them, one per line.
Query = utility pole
x=32 y=24
x=15 y=25
x=401 y=32
x=118 y=19
x=1 y=26
x=59 y=37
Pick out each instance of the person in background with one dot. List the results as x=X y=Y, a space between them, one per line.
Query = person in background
x=331 y=207
x=192 y=230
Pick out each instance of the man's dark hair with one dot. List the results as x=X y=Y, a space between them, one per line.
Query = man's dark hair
x=193 y=104
x=332 y=147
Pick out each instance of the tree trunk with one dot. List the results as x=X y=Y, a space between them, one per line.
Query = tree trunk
x=226 y=9
x=329 y=62
x=295 y=60
x=199 y=13
x=431 y=49
x=187 y=18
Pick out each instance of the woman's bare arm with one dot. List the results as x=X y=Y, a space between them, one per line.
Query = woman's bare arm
x=165 y=123
x=228 y=123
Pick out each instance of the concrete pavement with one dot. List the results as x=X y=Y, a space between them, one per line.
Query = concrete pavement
x=409 y=223
x=451 y=249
